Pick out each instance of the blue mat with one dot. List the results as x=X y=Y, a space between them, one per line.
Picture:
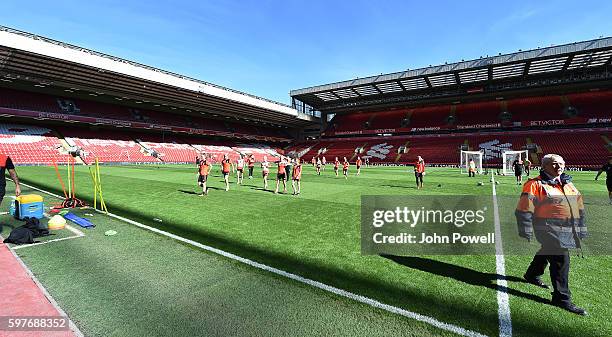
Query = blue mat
x=79 y=221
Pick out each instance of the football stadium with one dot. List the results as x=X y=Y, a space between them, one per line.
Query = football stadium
x=143 y=202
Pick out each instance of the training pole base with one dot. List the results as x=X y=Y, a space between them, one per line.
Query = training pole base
x=73 y=203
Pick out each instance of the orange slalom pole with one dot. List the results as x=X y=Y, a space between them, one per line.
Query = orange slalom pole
x=60 y=178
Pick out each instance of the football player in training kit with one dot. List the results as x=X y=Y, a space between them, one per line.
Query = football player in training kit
x=336 y=166
x=471 y=168
x=358 y=164
x=608 y=169
x=203 y=170
x=297 y=177
x=517 y=166
x=345 y=167
x=226 y=167
x=251 y=164
x=240 y=170
x=281 y=175
x=419 y=171
x=265 y=171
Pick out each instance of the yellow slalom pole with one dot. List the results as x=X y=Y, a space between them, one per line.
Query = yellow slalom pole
x=69 y=181
x=93 y=179
x=99 y=185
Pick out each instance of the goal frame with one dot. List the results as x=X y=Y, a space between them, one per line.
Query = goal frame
x=463 y=161
x=507 y=169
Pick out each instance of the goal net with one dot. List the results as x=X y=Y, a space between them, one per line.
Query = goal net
x=509 y=157
x=466 y=156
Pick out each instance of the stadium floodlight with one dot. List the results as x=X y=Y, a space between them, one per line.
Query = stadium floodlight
x=465 y=160
x=508 y=158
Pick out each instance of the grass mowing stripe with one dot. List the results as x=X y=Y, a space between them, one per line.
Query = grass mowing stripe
x=73 y=327
x=343 y=293
x=503 y=301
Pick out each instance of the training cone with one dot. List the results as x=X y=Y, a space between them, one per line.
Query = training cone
x=110 y=232
x=56 y=222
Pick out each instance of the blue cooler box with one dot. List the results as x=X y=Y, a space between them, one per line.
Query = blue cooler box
x=29 y=205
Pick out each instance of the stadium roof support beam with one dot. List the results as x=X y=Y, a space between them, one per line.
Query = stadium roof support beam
x=401 y=85
x=526 y=68
x=567 y=62
x=428 y=82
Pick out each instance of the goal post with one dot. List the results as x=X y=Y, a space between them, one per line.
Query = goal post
x=508 y=158
x=464 y=161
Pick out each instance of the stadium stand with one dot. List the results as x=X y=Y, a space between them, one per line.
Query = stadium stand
x=167 y=149
x=432 y=116
x=23 y=100
x=29 y=101
x=388 y=119
x=445 y=149
x=351 y=122
x=171 y=152
x=478 y=113
x=120 y=146
x=27 y=144
x=217 y=151
x=107 y=146
x=592 y=104
x=536 y=108
x=258 y=151
x=271 y=132
x=578 y=108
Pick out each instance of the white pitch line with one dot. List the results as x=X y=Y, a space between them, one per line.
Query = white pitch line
x=340 y=292
x=78 y=233
x=503 y=300
x=71 y=325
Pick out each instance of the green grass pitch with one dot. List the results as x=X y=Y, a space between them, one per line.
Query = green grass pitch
x=139 y=283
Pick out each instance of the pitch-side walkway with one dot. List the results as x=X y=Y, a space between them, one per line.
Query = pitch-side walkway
x=20 y=296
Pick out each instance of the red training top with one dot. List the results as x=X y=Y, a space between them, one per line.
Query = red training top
x=204 y=168
x=297 y=171
x=226 y=166
x=419 y=167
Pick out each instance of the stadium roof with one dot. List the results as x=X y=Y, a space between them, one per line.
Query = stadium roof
x=574 y=57
x=50 y=63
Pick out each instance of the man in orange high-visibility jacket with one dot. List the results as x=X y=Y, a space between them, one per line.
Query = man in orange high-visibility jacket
x=552 y=208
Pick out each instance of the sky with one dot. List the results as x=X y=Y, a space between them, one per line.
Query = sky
x=267 y=48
